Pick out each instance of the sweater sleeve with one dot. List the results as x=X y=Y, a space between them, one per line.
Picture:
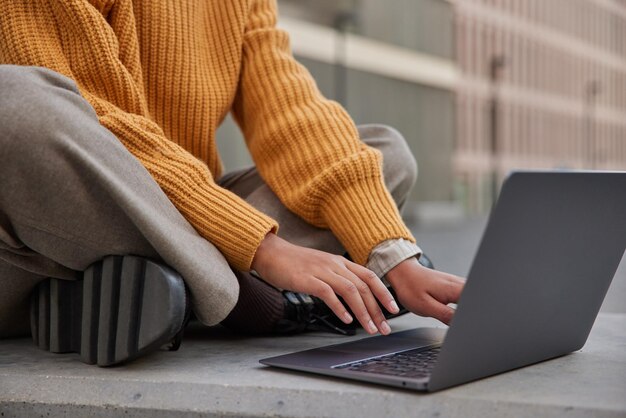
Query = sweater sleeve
x=90 y=44
x=306 y=147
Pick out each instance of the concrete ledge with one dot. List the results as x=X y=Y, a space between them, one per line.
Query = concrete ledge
x=216 y=373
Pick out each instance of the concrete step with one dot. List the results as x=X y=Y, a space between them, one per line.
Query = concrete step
x=216 y=373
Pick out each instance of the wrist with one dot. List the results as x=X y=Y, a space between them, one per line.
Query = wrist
x=265 y=248
x=395 y=275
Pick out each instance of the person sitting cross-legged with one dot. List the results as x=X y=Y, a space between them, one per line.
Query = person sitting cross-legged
x=116 y=218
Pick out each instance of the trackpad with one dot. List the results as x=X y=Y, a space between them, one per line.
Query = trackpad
x=331 y=355
x=405 y=340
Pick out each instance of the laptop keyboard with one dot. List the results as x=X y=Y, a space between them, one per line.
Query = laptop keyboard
x=415 y=363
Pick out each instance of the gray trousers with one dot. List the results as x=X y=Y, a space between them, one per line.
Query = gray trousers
x=70 y=194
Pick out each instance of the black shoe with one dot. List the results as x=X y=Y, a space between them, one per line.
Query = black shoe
x=121 y=308
x=309 y=313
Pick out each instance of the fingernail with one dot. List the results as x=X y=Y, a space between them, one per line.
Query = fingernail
x=347 y=317
x=372 y=327
x=384 y=326
x=394 y=307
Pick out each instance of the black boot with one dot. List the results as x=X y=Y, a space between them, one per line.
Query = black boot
x=120 y=308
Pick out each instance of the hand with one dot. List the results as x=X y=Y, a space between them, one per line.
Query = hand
x=300 y=269
x=424 y=291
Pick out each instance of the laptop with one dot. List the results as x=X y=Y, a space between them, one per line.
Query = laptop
x=550 y=250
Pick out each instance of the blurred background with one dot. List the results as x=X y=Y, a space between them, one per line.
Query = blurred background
x=477 y=87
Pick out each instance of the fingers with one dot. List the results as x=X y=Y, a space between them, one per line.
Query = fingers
x=432 y=307
x=355 y=294
x=376 y=286
x=447 y=291
x=325 y=292
x=455 y=292
x=455 y=279
x=374 y=309
x=371 y=288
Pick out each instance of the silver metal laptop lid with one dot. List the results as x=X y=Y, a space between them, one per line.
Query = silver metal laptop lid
x=550 y=251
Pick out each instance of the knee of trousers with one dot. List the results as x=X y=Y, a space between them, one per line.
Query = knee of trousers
x=34 y=105
x=399 y=165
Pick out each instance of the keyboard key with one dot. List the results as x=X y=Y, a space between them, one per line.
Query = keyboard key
x=417 y=363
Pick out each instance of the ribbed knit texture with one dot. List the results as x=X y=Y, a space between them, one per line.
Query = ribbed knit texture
x=162 y=75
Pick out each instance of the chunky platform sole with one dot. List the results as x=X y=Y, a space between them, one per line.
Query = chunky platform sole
x=123 y=307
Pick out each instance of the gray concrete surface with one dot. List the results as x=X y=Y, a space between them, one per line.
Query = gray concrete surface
x=216 y=373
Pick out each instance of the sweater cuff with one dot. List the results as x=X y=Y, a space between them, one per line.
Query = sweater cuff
x=362 y=216
x=228 y=222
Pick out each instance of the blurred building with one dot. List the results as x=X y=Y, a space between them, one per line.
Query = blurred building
x=543 y=85
x=477 y=87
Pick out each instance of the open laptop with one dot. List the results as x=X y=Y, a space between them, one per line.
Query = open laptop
x=550 y=250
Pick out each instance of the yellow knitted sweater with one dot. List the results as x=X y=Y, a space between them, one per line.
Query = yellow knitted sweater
x=162 y=75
